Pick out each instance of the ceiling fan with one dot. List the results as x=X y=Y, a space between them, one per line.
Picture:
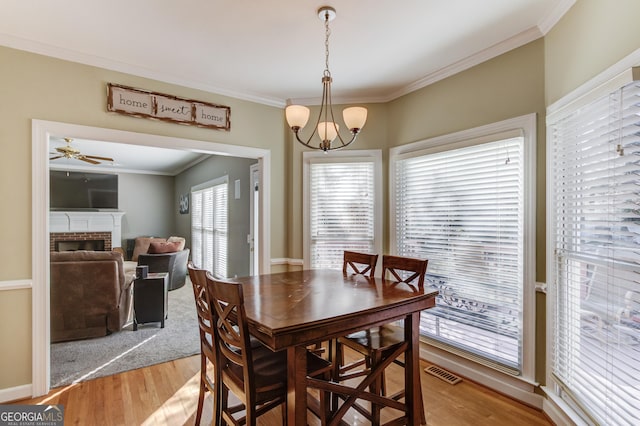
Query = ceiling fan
x=73 y=153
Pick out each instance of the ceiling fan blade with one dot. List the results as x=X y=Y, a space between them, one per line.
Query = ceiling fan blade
x=98 y=158
x=88 y=160
x=56 y=157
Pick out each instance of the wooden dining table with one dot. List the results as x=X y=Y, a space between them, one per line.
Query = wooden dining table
x=291 y=310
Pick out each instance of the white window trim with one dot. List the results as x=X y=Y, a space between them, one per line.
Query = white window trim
x=602 y=84
x=526 y=125
x=213 y=182
x=309 y=157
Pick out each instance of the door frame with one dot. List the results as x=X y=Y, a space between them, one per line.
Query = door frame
x=254 y=186
x=41 y=133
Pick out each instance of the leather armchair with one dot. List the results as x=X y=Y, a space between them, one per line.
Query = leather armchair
x=90 y=294
x=173 y=263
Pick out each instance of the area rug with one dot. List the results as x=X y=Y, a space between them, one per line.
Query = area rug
x=81 y=360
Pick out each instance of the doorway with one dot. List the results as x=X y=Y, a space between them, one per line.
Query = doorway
x=42 y=131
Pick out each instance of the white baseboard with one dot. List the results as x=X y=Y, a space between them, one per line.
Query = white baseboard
x=15 y=393
x=286 y=261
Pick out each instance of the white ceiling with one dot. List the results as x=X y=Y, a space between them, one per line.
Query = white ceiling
x=127 y=158
x=272 y=52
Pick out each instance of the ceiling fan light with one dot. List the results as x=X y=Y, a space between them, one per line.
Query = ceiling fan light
x=297 y=116
x=354 y=118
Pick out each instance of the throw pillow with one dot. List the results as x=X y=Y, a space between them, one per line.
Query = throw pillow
x=179 y=240
x=142 y=246
x=163 y=247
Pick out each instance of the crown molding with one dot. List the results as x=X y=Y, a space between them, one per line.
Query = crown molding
x=97 y=61
x=555 y=15
x=497 y=49
x=524 y=37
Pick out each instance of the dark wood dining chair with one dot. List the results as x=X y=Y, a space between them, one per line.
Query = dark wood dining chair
x=256 y=375
x=373 y=343
x=353 y=263
x=359 y=263
x=198 y=280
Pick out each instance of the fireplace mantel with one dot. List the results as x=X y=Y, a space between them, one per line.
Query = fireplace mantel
x=79 y=221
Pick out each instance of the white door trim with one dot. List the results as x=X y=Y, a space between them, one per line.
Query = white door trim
x=41 y=133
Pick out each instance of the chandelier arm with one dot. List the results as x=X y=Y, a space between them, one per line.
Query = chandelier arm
x=297 y=133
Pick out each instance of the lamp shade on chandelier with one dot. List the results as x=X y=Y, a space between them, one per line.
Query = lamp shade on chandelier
x=326 y=127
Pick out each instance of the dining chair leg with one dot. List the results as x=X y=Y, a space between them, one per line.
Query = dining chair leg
x=200 y=405
x=222 y=401
x=203 y=372
x=335 y=357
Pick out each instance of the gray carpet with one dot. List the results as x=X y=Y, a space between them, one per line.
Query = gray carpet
x=125 y=350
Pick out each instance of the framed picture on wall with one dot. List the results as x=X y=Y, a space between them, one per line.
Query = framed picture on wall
x=184 y=204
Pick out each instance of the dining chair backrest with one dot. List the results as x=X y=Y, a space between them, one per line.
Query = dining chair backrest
x=359 y=263
x=399 y=267
x=198 y=280
x=230 y=323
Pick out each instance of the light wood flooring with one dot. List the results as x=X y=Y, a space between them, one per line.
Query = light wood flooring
x=167 y=394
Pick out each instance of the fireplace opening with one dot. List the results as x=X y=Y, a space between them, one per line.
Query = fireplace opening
x=73 y=245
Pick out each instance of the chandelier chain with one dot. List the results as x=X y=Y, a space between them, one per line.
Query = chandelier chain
x=327 y=32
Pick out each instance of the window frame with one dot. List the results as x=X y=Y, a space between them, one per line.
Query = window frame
x=525 y=126
x=344 y=156
x=604 y=84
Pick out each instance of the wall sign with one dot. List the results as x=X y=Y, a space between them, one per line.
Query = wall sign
x=142 y=103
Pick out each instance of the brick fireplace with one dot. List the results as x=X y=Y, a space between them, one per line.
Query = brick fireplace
x=85 y=230
x=62 y=241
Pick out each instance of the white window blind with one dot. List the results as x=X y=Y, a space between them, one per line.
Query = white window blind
x=341 y=205
x=209 y=224
x=595 y=211
x=463 y=210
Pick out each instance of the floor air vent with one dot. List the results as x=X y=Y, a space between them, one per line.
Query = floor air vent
x=443 y=374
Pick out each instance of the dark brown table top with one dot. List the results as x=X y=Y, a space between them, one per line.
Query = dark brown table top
x=302 y=307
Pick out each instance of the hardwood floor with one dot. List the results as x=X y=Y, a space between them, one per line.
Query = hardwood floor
x=167 y=394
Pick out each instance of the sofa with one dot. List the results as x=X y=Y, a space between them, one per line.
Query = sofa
x=91 y=296
x=161 y=255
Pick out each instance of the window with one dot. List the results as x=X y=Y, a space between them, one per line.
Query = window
x=343 y=199
x=594 y=226
x=209 y=226
x=465 y=203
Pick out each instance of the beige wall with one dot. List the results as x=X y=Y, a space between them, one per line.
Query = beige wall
x=508 y=86
x=591 y=37
x=38 y=87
